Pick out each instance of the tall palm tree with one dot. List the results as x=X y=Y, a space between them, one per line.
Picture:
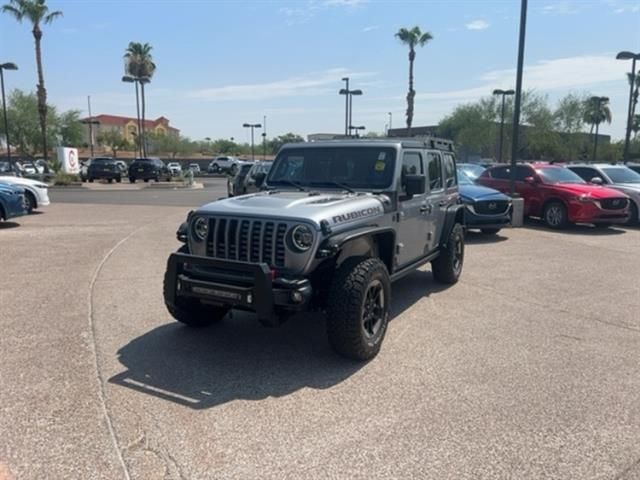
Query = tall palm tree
x=139 y=64
x=413 y=37
x=36 y=12
x=596 y=111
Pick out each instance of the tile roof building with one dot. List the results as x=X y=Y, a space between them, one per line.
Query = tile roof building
x=127 y=126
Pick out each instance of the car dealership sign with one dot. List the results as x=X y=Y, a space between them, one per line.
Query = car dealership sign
x=69 y=161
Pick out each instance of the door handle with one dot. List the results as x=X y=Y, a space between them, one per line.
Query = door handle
x=442 y=203
x=426 y=209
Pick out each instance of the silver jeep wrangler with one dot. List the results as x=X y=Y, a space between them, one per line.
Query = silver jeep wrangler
x=335 y=223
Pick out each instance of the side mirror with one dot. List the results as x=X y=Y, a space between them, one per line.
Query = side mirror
x=414 y=184
x=530 y=180
x=259 y=178
x=596 y=181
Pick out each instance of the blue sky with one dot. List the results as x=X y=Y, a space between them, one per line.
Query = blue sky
x=223 y=63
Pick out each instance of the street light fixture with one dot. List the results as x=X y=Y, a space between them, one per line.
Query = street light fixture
x=597 y=101
x=504 y=93
x=360 y=127
x=625 y=55
x=345 y=92
x=3 y=67
x=252 y=126
x=518 y=95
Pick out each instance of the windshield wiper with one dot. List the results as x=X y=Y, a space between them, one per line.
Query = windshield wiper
x=335 y=184
x=292 y=183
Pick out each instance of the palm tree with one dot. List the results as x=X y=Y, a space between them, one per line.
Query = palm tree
x=139 y=64
x=635 y=125
x=36 y=12
x=596 y=111
x=412 y=37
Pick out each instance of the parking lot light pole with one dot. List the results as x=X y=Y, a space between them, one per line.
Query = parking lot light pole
x=264 y=138
x=390 y=122
x=130 y=79
x=518 y=97
x=504 y=93
x=345 y=92
x=252 y=126
x=627 y=136
x=3 y=67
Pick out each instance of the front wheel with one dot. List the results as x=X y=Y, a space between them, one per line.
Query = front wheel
x=90 y=180
x=447 y=267
x=29 y=202
x=555 y=215
x=132 y=180
x=358 y=313
x=633 y=215
x=119 y=179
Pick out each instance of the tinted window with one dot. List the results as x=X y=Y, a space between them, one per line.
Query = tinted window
x=523 y=172
x=585 y=173
x=435 y=171
x=356 y=167
x=501 y=173
x=412 y=164
x=450 y=171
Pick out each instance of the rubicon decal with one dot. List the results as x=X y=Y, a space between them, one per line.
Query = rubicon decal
x=365 y=212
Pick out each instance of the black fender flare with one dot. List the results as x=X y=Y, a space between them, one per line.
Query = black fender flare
x=454 y=214
x=338 y=245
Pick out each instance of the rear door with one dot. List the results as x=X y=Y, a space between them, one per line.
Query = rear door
x=438 y=194
x=412 y=235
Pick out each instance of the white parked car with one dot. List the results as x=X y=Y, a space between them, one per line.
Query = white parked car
x=175 y=168
x=36 y=193
x=194 y=167
x=223 y=164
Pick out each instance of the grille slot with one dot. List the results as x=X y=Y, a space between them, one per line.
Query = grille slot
x=613 y=203
x=491 y=207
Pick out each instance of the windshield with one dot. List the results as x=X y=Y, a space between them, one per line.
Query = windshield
x=472 y=171
x=368 y=168
x=463 y=178
x=264 y=167
x=621 y=175
x=558 y=175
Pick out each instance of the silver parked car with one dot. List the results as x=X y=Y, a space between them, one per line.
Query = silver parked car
x=616 y=177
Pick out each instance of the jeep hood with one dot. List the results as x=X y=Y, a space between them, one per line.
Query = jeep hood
x=337 y=208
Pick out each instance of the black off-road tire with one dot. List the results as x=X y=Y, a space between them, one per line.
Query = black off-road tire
x=146 y=180
x=490 y=231
x=90 y=180
x=119 y=179
x=110 y=180
x=345 y=315
x=555 y=215
x=447 y=267
x=192 y=312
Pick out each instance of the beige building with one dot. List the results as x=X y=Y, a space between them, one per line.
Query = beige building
x=127 y=127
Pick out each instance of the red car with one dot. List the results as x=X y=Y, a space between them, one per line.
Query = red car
x=559 y=196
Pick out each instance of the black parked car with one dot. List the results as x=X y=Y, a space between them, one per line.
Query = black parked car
x=104 y=168
x=485 y=209
x=148 y=169
x=235 y=183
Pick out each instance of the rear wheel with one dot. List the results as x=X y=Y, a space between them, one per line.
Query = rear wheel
x=447 y=267
x=490 y=231
x=132 y=180
x=110 y=180
x=146 y=180
x=119 y=179
x=90 y=180
x=555 y=215
x=358 y=313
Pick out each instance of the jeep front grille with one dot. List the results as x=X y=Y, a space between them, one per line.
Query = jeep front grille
x=491 y=207
x=245 y=240
x=613 y=203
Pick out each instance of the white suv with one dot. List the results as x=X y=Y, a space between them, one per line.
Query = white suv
x=223 y=164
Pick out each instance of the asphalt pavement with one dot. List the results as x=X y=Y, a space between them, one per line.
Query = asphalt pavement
x=526 y=369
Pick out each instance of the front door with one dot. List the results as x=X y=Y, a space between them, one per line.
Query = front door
x=437 y=199
x=412 y=235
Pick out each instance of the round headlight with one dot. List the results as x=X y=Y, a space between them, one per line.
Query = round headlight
x=302 y=237
x=200 y=228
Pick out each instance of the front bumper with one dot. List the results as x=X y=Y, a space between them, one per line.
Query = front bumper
x=592 y=212
x=248 y=286
x=475 y=220
x=42 y=197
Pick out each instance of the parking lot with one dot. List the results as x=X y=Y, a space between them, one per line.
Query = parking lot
x=525 y=369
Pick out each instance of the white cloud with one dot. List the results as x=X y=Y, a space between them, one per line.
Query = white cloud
x=561 y=8
x=370 y=28
x=477 y=25
x=319 y=83
x=345 y=3
x=308 y=9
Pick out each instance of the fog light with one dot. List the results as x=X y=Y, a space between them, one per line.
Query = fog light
x=296 y=297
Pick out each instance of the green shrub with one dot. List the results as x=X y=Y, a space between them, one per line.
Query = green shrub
x=65 y=179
